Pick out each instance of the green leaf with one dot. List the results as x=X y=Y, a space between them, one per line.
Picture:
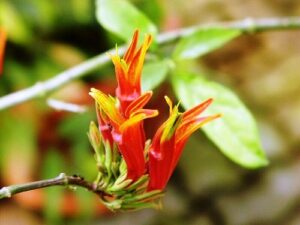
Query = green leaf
x=84 y=161
x=17 y=29
x=75 y=127
x=87 y=204
x=122 y=18
x=235 y=133
x=153 y=9
x=154 y=73
x=202 y=42
x=17 y=144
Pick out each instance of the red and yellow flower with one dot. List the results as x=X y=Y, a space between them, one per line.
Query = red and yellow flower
x=121 y=119
x=121 y=122
x=170 y=139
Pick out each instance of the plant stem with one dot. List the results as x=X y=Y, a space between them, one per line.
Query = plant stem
x=246 y=26
x=42 y=88
x=61 y=180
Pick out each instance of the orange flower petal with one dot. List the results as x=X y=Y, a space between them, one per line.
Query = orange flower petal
x=131 y=50
x=190 y=126
x=2 y=47
x=121 y=71
x=137 y=117
x=138 y=103
x=135 y=67
x=195 y=111
x=108 y=105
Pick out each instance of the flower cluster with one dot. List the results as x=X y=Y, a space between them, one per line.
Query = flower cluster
x=133 y=172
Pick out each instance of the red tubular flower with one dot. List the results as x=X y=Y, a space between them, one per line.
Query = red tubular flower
x=2 y=46
x=128 y=71
x=170 y=140
x=123 y=124
x=126 y=130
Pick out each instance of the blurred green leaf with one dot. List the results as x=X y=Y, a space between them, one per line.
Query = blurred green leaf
x=203 y=41
x=18 y=31
x=82 y=10
x=39 y=15
x=84 y=161
x=235 y=133
x=44 y=67
x=17 y=145
x=122 y=18
x=52 y=167
x=76 y=126
x=153 y=9
x=19 y=75
x=87 y=205
x=17 y=78
x=154 y=73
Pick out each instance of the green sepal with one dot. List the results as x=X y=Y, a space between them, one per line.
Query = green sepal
x=141 y=205
x=123 y=167
x=121 y=178
x=142 y=180
x=96 y=142
x=112 y=205
x=145 y=196
x=116 y=158
x=108 y=159
x=120 y=186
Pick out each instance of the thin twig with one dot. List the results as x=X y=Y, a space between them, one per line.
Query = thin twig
x=246 y=26
x=42 y=88
x=66 y=106
x=61 y=180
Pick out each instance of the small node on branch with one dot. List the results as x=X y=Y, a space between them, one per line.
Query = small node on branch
x=5 y=192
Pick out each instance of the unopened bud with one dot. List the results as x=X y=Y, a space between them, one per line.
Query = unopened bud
x=96 y=141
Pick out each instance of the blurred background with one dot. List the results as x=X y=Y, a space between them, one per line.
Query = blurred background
x=37 y=141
